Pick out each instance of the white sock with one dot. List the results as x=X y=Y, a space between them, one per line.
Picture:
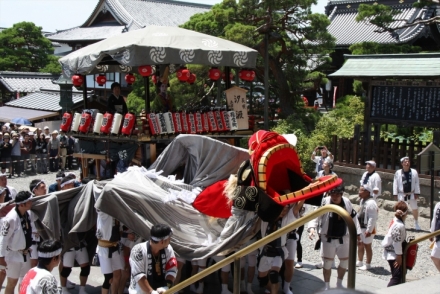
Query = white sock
x=82 y=289
x=286 y=287
x=225 y=287
x=242 y=285
x=327 y=285
x=339 y=282
x=416 y=221
x=249 y=288
x=64 y=290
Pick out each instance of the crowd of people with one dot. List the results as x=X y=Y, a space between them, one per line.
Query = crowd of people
x=25 y=152
x=151 y=266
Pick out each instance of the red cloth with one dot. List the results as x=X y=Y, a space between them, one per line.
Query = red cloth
x=213 y=202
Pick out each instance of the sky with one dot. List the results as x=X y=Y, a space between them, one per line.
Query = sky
x=54 y=15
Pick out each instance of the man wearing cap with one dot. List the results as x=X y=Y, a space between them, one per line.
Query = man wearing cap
x=63 y=148
x=53 y=150
x=116 y=102
x=57 y=185
x=372 y=179
x=16 y=239
x=10 y=191
x=367 y=216
x=334 y=235
x=153 y=263
x=319 y=160
x=406 y=187
x=46 y=132
x=39 y=279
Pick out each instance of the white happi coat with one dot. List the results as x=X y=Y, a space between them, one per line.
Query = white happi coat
x=374 y=183
x=104 y=225
x=371 y=214
x=398 y=186
x=392 y=242
x=12 y=238
x=434 y=218
x=142 y=264
x=39 y=281
x=321 y=223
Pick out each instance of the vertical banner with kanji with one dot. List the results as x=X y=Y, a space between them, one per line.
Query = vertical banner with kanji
x=236 y=99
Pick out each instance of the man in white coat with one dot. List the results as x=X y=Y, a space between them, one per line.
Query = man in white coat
x=372 y=179
x=15 y=240
x=367 y=215
x=406 y=187
x=334 y=235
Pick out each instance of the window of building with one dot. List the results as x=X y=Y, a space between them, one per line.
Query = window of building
x=110 y=76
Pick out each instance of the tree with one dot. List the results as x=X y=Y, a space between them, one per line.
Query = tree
x=295 y=36
x=24 y=48
x=53 y=67
x=385 y=17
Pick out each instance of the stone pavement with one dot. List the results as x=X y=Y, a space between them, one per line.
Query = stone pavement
x=305 y=281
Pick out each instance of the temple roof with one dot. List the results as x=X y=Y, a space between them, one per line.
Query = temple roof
x=44 y=100
x=348 y=31
x=112 y=17
x=27 y=81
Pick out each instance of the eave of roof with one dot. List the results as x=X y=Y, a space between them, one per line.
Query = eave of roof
x=27 y=81
x=86 y=34
x=424 y=65
x=8 y=113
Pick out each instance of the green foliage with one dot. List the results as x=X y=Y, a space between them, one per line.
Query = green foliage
x=417 y=134
x=378 y=14
x=53 y=67
x=24 y=48
x=376 y=48
x=340 y=122
x=295 y=34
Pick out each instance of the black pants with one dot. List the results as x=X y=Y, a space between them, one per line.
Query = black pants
x=299 y=249
x=396 y=274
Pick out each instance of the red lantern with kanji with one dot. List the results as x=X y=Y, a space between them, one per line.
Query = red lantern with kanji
x=101 y=80
x=214 y=74
x=145 y=70
x=192 y=79
x=231 y=76
x=77 y=80
x=130 y=79
x=183 y=74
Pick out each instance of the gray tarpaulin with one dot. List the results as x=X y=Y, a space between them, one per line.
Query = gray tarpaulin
x=139 y=201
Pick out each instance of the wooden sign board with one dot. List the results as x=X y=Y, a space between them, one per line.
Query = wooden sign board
x=236 y=99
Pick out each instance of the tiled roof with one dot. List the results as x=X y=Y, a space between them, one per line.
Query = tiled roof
x=130 y=15
x=348 y=31
x=89 y=34
x=27 y=81
x=45 y=100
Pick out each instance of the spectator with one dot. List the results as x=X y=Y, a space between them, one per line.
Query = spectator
x=32 y=153
x=53 y=150
x=25 y=154
x=5 y=149
x=17 y=144
x=319 y=160
x=46 y=132
x=63 y=149
x=41 y=152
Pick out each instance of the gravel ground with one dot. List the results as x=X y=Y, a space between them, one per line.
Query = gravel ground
x=380 y=269
x=424 y=266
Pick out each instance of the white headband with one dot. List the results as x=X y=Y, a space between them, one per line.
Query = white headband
x=36 y=186
x=58 y=179
x=72 y=181
x=49 y=254
x=26 y=200
x=161 y=238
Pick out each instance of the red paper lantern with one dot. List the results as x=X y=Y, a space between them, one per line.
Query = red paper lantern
x=231 y=76
x=214 y=74
x=130 y=79
x=101 y=80
x=77 y=80
x=145 y=70
x=183 y=74
x=192 y=78
x=154 y=79
x=247 y=75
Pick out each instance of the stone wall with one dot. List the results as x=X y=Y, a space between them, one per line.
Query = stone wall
x=352 y=177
